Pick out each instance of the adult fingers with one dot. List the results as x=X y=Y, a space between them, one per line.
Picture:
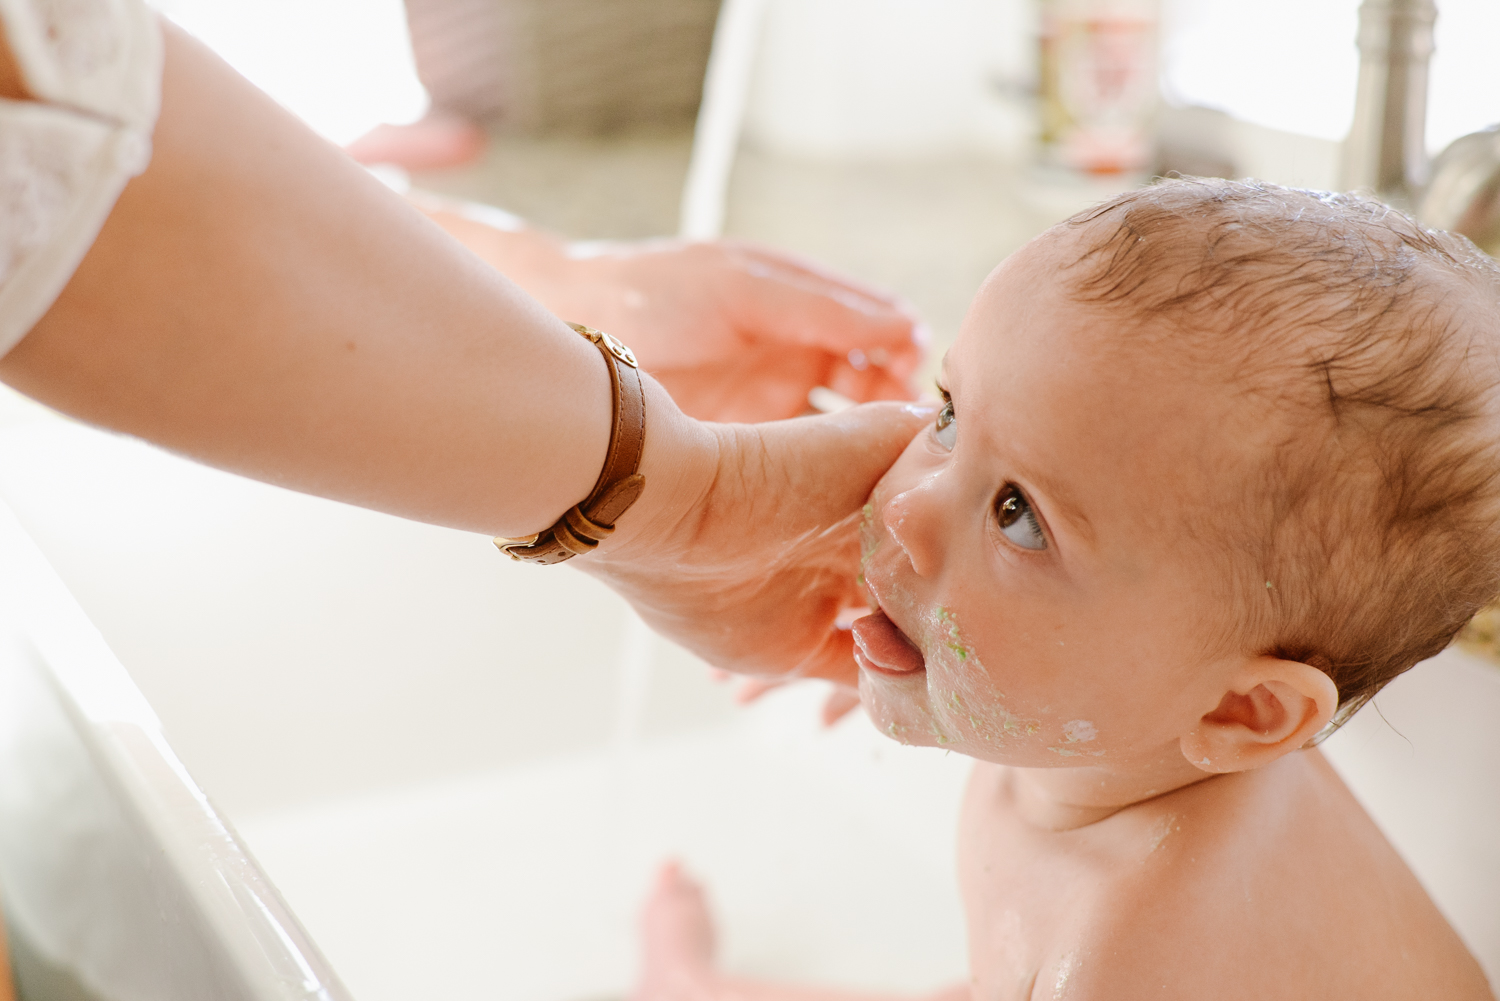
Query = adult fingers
x=833 y=661
x=841 y=702
x=869 y=384
x=805 y=269
x=783 y=300
x=753 y=688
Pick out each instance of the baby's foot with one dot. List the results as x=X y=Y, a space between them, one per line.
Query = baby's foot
x=677 y=940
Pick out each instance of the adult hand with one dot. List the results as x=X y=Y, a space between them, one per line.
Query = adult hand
x=256 y=301
x=842 y=699
x=747 y=553
x=733 y=331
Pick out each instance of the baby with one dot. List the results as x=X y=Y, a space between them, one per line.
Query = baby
x=1216 y=461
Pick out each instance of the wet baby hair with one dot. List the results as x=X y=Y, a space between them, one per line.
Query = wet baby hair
x=1370 y=532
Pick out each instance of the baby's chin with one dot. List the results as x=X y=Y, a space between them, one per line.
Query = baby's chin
x=897 y=705
x=907 y=710
x=909 y=722
x=900 y=706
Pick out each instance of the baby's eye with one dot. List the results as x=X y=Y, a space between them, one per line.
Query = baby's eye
x=946 y=429
x=1017 y=520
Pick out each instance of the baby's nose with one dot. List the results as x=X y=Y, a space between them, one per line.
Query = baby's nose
x=910 y=517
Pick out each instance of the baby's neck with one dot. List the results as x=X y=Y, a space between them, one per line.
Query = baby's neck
x=1062 y=799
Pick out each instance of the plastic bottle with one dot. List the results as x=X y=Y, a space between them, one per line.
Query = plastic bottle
x=1098 y=86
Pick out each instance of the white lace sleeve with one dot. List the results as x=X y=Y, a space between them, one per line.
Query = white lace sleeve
x=94 y=67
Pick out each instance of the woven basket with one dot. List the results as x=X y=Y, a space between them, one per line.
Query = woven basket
x=564 y=66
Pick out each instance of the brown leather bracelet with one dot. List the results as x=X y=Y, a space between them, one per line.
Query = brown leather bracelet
x=619 y=485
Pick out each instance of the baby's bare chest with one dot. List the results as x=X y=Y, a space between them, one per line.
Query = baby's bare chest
x=1033 y=899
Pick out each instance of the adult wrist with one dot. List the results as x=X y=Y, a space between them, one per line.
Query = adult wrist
x=619 y=483
x=652 y=444
x=680 y=464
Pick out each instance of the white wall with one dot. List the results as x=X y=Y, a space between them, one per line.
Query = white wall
x=889 y=77
x=343 y=66
x=1291 y=65
x=919 y=77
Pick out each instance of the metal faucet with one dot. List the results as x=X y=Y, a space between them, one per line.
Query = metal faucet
x=1387 y=150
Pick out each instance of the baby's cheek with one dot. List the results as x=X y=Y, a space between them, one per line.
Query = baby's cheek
x=983 y=723
x=970 y=709
x=1076 y=738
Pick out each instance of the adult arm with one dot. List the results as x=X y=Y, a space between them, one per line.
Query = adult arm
x=258 y=302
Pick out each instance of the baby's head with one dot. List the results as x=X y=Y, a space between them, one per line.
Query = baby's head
x=1221 y=460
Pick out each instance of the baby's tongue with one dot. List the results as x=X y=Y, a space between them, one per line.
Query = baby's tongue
x=885 y=646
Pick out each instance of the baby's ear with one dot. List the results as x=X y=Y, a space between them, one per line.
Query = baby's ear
x=1274 y=707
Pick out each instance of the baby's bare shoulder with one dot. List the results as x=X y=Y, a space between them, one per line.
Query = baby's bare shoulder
x=1273 y=884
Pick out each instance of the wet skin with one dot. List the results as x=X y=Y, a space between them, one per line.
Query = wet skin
x=1032 y=550
x=1143 y=822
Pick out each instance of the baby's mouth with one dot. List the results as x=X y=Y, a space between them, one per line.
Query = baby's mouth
x=879 y=646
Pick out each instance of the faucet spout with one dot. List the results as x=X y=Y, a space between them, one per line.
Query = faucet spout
x=1386 y=150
